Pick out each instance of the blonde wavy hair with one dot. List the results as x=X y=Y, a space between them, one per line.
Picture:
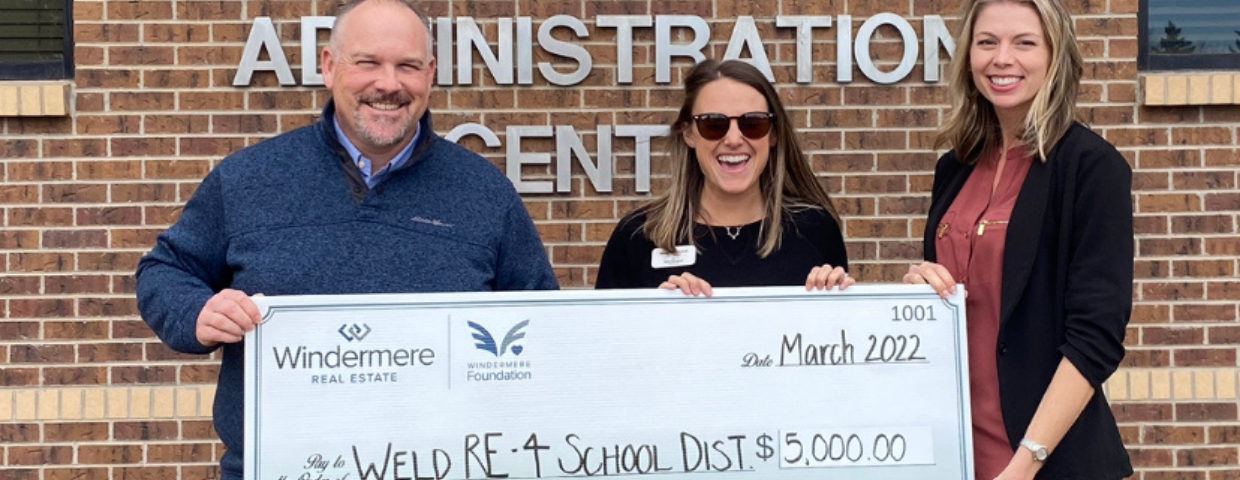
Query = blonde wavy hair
x=788 y=184
x=973 y=126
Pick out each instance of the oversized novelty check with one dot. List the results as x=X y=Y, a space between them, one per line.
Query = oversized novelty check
x=755 y=383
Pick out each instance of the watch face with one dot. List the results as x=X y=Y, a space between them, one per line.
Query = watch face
x=1039 y=452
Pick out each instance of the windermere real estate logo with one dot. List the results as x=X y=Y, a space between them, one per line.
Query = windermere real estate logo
x=354 y=332
x=511 y=62
x=351 y=361
x=503 y=364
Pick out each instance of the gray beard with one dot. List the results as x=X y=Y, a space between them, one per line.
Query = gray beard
x=363 y=129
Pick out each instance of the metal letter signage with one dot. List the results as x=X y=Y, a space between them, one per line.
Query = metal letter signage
x=511 y=62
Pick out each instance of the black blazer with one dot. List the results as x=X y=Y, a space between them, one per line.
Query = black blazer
x=1067 y=291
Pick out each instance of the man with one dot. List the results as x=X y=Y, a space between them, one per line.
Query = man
x=368 y=200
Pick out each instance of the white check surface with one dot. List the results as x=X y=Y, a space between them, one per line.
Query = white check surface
x=754 y=383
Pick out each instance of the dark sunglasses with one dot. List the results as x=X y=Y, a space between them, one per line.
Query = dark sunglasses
x=753 y=125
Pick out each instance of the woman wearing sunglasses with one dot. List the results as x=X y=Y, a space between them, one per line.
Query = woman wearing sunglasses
x=743 y=208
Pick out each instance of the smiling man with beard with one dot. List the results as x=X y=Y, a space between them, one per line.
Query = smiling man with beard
x=380 y=87
x=367 y=200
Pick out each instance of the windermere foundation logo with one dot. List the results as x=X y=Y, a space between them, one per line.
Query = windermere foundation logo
x=506 y=365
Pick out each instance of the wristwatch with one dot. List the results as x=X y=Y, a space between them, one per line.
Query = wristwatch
x=1039 y=451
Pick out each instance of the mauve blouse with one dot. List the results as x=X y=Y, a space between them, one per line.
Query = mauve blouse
x=970 y=242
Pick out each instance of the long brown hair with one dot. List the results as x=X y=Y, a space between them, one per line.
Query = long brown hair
x=973 y=125
x=787 y=183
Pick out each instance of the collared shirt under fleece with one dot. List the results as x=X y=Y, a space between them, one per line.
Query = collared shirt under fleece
x=292 y=216
x=366 y=166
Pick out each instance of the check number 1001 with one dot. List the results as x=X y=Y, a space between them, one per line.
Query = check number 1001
x=912 y=313
x=856 y=447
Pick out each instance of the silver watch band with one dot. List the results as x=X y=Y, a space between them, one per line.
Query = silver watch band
x=1040 y=452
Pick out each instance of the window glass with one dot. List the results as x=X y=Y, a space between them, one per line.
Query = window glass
x=35 y=39
x=1191 y=34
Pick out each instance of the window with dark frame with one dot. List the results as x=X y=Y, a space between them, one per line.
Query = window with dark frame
x=1189 y=35
x=36 y=39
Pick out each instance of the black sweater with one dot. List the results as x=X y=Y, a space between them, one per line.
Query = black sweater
x=811 y=238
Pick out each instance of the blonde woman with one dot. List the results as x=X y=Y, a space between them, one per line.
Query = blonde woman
x=744 y=208
x=1032 y=212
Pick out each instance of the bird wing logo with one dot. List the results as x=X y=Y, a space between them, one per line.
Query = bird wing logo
x=514 y=335
x=486 y=341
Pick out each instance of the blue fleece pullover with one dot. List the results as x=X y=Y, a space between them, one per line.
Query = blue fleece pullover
x=291 y=216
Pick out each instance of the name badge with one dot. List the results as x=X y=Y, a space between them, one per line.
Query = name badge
x=684 y=255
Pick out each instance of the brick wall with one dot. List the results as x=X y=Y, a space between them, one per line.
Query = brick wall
x=88 y=392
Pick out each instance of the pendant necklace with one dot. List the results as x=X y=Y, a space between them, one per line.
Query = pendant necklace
x=733 y=233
